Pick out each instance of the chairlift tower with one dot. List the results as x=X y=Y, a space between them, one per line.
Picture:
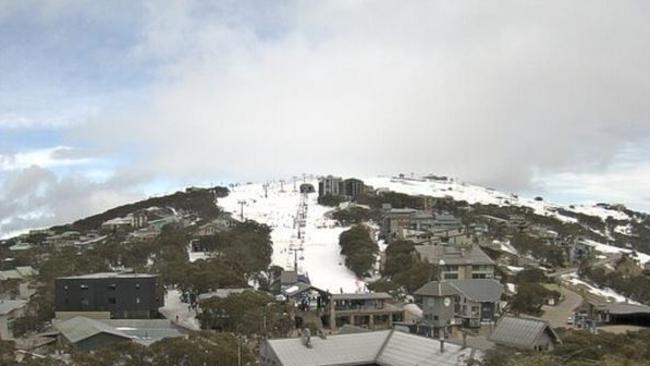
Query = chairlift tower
x=241 y=209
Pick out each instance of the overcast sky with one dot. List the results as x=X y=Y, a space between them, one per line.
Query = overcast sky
x=103 y=102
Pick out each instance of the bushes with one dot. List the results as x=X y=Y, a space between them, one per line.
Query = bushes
x=359 y=249
x=351 y=215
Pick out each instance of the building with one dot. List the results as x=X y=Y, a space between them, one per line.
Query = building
x=460 y=302
x=525 y=333
x=18 y=280
x=109 y=295
x=350 y=189
x=307 y=188
x=385 y=348
x=370 y=310
x=617 y=313
x=404 y=223
x=85 y=334
x=458 y=262
x=329 y=186
x=10 y=310
x=353 y=189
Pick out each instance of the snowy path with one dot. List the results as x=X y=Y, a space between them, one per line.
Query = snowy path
x=319 y=257
x=178 y=311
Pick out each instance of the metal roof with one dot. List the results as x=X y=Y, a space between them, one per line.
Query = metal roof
x=7 y=306
x=79 y=328
x=222 y=293
x=453 y=255
x=143 y=331
x=622 y=308
x=366 y=296
x=404 y=349
x=384 y=348
x=521 y=332
x=346 y=349
x=480 y=290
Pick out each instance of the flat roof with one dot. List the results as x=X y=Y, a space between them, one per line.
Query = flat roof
x=94 y=276
x=367 y=296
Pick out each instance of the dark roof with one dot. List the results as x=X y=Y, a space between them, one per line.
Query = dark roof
x=436 y=289
x=480 y=290
x=453 y=255
x=521 y=332
x=101 y=275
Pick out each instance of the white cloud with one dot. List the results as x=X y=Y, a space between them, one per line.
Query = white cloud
x=492 y=94
x=46 y=158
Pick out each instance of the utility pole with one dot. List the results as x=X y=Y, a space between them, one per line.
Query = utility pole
x=241 y=209
x=282 y=185
x=266 y=190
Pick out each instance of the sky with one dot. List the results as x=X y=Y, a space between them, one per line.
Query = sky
x=106 y=102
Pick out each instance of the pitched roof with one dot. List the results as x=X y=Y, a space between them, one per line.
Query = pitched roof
x=7 y=306
x=480 y=290
x=384 y=348
x=521 y=332
x=453 y=255
x=143 y=331
x=404 y=349
x=79 y=328
x=346 y=349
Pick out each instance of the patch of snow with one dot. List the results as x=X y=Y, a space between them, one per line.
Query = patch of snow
x=606 y=293
x=610 y=249
x=511 y=287
x=515 y=269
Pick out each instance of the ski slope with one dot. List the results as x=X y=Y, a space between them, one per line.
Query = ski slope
x=317 y=248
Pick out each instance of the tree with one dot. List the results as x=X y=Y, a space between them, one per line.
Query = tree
x=359 y=249
x=249 y=313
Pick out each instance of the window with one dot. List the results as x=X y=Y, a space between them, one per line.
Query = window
x=84 y=287
x=112 y=287
x=435 y=317
x=137 y=286
x=451 y=276
x=137 y=300
x=112 y=300
x=65 y=288
x=479 y=275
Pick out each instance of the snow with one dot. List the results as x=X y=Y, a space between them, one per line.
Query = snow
x=512 y=288
x=176 y=309
x=610 y=249
x=624 y=229
x=605 y=293
x=318 y=249
x=461 y=191
x=514 y=269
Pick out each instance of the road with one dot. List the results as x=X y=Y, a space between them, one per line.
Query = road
x=558 y=315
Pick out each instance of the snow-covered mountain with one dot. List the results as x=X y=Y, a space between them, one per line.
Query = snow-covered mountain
x=281 y=207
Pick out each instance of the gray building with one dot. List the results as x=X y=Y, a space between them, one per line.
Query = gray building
x=525 y=333
x=122 y=295
x=402 y=223
x=385 y=348
x=371 y=310
x=460 y=302
x=460 y=262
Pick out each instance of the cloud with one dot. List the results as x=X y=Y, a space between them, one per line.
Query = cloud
x=46 y=158
x=494 y=95
x=36 y=197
